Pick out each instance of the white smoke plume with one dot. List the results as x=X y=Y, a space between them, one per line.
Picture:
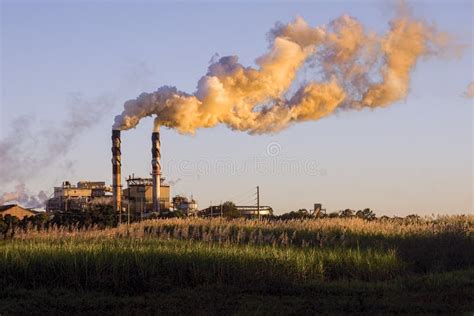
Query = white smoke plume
x=22 y=197
x=469 y=93
x=358 y=69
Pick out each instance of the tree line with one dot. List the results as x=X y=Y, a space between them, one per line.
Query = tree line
x=103 y=216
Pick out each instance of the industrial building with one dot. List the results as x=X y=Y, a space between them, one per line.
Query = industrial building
x=142 y=197
x=70 y=197
x=247 y=211
x=138 y=196
x=252 y=211
x=186 y=206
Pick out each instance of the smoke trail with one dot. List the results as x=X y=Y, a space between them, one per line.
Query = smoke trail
x=173 y=182
x=469 y=93
x=25 y=151
x=21 y=196
x=30 y=148
x=360 y=69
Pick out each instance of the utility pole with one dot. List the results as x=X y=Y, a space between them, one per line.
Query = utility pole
x=212 y=210
x=258 y=202
x=128 y=215
x=221 y=208
x=128 y=211
x=119 y=215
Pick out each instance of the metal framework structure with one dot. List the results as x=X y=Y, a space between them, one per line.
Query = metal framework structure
x=139 y=181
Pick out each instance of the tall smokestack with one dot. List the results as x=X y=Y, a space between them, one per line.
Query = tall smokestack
x=117 y=171
x=156 y=167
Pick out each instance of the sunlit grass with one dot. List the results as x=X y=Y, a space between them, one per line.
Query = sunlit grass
x=136 y=264
x=160 y=254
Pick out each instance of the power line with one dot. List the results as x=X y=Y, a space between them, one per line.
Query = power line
x=239 y=196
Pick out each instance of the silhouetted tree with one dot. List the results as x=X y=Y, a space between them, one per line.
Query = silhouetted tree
x=10 y=223
x=300 y=214
x=229 y=210
x=366 y=214
x=346 y=213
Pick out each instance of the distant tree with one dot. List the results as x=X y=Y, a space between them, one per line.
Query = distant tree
x=40 y=221
x=11 y=223
x=413 y=218
x=229 y=210
x=108 y=217
x=176 y=214
x=366 y=214
x=3 y=227
x=346 y=213
x=300 y=214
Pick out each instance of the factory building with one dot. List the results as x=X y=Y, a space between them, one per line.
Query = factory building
x=139 y=195
x=186 y=206
x=70 y=197
x=144 y=196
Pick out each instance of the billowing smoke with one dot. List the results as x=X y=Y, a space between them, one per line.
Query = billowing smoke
x=469 y=93
x=355 y=68
x=21 y=196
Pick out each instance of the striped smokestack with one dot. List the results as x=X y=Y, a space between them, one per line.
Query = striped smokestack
x=116 y=171
x=156 y=167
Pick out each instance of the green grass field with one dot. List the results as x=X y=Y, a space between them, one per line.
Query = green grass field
x=241 y=267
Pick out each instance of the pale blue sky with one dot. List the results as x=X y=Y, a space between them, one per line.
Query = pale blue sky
x=413 y=157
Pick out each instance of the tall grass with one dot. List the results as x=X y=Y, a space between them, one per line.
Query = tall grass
x=293 y=232
x=160 y=254
x=143 y=265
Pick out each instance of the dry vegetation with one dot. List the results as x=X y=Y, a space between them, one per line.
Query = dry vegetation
x=224 y=228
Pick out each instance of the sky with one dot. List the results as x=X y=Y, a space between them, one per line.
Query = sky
x=414 y=156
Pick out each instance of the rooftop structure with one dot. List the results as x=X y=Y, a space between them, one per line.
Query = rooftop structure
x=16 y=210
